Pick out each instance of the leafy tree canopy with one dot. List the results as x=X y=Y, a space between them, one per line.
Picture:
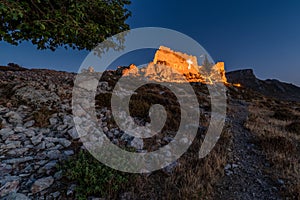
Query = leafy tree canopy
x=80 y=24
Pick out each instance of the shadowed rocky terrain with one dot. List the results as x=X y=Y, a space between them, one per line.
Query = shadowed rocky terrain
x=269 y=87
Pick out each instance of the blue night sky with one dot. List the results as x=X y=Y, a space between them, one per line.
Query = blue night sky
x=260 y=34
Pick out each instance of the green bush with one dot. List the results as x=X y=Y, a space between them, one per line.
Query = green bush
x=93 y=177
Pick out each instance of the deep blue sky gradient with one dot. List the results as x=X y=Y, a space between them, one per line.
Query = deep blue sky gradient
x=260 y=34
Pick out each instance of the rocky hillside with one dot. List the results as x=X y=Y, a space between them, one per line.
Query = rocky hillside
x=36 y=131
x=42 y=157
x=37 y=137
x=269 y=87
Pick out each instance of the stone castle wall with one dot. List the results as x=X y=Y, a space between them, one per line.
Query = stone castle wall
x=169 y=65
x=177 y=60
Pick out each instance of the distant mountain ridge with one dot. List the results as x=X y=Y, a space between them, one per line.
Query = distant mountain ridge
x=12 y=67
x=270 y=87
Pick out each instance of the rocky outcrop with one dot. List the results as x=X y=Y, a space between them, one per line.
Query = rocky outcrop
x=88 y=70
x=180 y=62
x=244 y=77
x=91 y=69
x=161 y=72
x=172 y=66
x=36 y=96
x=131 y=70
x=218 y=73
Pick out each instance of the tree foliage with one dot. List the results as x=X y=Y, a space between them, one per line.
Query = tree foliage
x=80 y=24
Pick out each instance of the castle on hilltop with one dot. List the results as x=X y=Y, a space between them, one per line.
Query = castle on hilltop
x=169 y=65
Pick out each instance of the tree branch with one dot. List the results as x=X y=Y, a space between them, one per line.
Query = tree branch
x=36 y=6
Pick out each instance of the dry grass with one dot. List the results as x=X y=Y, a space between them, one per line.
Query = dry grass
x=277 y=133
x=192 y=178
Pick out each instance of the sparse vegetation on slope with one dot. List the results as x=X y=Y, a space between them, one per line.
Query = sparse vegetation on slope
x=192 y=178
x=280 y=140
x=189 y=177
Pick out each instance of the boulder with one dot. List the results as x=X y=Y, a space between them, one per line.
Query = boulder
x=9 y=187
x=42 y=184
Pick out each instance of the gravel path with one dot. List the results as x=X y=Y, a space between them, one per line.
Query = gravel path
x=245 y=178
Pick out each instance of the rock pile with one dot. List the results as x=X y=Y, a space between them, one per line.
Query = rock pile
x=30 y=153
x=37 y=131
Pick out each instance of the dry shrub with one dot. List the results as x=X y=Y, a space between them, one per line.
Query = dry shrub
x=42 y=116
x=294 y=127
x=284 y=114
x=277 y=143
x=139 y=109
x=7 y=91
x=103 y=100
x=150 y=94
